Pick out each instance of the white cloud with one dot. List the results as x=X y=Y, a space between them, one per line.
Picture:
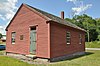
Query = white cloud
x=71 y=1
x=2 y=17
x=79 y=6
x=80 y=9
x=7 y=11
x=2 y=29
x=75 y=2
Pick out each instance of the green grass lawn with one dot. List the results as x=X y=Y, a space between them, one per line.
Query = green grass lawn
x=95 y=44
x=2 y=52
x=92 y=58
x=8 y=61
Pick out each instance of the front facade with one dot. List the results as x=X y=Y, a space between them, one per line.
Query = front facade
x=31 y=32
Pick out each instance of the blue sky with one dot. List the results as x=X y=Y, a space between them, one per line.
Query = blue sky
x=9 y=7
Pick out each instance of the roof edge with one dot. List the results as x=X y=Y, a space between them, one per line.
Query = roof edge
x=45 y=17
x=68 y=26
x=13 y=17
x=41 y=15
x=23 y=4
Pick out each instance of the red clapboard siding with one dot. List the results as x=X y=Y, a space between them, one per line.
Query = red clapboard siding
x=58 y=44
x=21 y=24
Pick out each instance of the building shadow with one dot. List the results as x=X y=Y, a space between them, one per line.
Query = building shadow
x=75 y=57
x=78 y=56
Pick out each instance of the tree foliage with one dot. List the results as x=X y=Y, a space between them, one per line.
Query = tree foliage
x=92 y=26
x=98 y=27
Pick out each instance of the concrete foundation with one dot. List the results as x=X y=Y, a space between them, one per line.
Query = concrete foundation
x=36 y=59
x=65 y=57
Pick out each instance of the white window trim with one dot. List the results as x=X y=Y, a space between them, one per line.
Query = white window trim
x=68 y=43
x=11 y=38
x=80 y=38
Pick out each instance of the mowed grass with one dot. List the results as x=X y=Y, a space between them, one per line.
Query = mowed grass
x=2 y=52
x=94 y=44
x=7 y=61
x=92 y=58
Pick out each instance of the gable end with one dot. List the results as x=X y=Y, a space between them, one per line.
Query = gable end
x=43 y=16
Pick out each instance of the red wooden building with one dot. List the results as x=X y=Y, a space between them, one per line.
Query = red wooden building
x=33 y=31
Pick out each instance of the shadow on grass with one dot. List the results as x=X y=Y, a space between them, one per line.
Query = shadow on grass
x=2 y=49
x=75 y=57
x=78 y=56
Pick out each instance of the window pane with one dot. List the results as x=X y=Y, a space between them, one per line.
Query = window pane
x=68 y=37
x=13 y=37
x=80 y=39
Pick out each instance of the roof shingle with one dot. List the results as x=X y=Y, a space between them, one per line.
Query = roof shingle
x=49 y=17
x=56 y=18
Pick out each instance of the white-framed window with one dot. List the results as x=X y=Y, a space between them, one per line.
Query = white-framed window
x=13 y=34
x=68 y=37
x=80 y=38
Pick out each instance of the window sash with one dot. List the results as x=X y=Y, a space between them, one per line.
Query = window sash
x=80 y=39
x=13 y=37
x=68 y=37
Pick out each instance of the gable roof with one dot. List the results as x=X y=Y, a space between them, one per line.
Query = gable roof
x=50 y=17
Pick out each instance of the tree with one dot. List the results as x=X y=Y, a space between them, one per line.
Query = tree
x=68 y=19
x=88 y=23
x=93 y=34
x=0 y=35
x=98 y=27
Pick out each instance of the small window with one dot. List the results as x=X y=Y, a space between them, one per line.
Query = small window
x=68 y=37
x=80 y=38
x=13 y=37
x=21 y=37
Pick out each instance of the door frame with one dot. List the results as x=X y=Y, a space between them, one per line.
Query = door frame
x=35 y=26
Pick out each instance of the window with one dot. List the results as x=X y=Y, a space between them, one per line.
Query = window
x=80 y=38
x=68 y=37
x=13 y=37
x=21 y=37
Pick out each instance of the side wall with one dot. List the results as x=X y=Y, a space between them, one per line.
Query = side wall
x=21 y=25
x=58 y=40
